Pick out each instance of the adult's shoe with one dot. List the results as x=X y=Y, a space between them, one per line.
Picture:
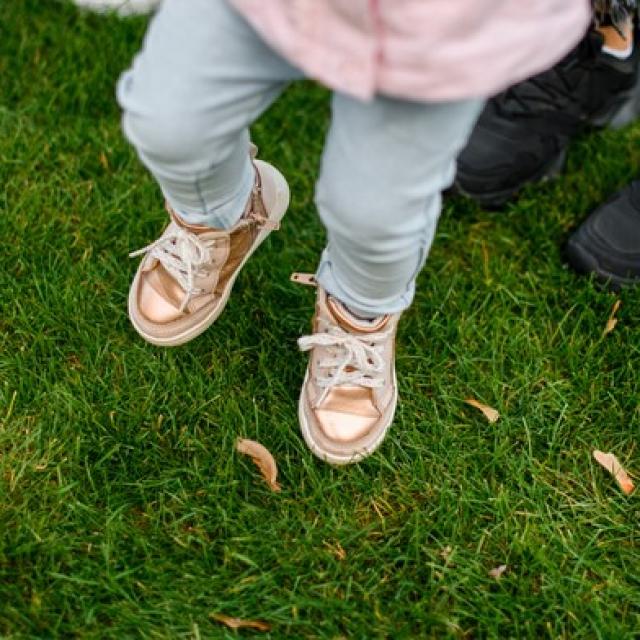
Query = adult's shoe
x=607 y=243
x=523 y=133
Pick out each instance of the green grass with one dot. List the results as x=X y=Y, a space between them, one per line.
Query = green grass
x=126 y=513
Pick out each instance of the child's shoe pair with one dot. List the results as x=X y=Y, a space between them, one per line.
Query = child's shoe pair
x=349 y=395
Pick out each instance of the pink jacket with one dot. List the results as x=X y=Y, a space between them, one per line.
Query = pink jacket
x=419 y=49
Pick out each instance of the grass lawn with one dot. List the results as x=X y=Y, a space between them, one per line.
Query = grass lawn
x=125 y=511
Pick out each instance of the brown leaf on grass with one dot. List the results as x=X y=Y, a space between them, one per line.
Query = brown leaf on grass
x=262 y=458
x=489 y=412
x=612 y=321
x=239 y=623
x=613 y=466
x=496 y=572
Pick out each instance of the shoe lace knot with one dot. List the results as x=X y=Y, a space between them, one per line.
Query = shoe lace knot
x=183 y=254
x=355 y=359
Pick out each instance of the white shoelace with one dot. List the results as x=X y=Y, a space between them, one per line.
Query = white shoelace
x=182 y=254
x=352 y=359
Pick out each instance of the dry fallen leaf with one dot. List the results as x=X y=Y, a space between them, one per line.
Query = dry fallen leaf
x=612 y=321
x=239 y=623
x=490 y=413
x=496 y=572
x=262 y=459
x=613 y=466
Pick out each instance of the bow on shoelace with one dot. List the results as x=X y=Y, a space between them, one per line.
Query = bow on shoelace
x=351 y=359
x=182 y=254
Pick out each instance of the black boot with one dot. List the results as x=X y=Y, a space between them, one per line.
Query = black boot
x=523 y=133
x=607 y=243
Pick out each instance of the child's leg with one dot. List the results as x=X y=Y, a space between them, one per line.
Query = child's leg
x=202 y=77
x=385 y=165
x=200 y=80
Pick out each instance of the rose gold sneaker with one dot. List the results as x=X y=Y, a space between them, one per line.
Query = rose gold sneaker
x=350 y=392
x=185 y=278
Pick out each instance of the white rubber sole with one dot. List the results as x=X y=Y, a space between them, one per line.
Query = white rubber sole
x=279 y=209
x=347 y=458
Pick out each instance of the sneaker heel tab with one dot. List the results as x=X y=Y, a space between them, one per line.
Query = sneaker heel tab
x=307 y=279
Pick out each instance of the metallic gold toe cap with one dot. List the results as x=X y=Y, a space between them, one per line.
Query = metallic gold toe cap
x=343 y=427
x=155 y=302
x=347 y=413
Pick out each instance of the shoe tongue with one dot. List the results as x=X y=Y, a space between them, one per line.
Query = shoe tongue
x=347 y=320
x=194 y=228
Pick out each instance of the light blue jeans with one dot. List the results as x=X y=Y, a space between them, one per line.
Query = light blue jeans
x=204 y=75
